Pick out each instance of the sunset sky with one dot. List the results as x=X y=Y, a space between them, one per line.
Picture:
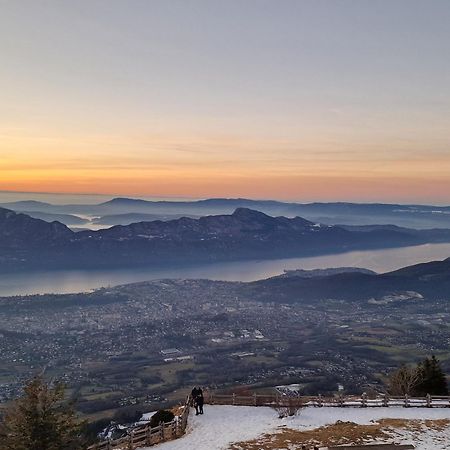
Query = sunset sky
x=296 y=100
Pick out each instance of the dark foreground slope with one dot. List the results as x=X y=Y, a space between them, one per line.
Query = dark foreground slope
x=26 y=242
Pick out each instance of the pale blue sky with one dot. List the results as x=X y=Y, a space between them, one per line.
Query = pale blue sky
x=173 y=97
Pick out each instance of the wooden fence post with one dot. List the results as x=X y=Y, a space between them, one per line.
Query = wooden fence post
x=161 y=431
x=385 y=400
x=130 y=441
x=364 y=400
x=429 y=401
x=234 y=398
x=255 y=399
x=406 y=400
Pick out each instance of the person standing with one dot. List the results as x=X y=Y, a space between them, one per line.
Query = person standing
x=200 y=402
x=195 y=391
x=197 y=400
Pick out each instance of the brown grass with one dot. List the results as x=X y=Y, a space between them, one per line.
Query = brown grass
x=415 y=425
x=338 y=434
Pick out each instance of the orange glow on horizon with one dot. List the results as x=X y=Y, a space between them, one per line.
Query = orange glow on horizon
x=174 y=165
x=285 y=188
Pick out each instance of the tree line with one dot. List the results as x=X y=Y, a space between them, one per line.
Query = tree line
x=427 y=377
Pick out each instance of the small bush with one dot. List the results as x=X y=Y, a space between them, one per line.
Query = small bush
x=161 y=416
x=286 y=407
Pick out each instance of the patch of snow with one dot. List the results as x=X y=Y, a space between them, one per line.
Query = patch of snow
x=147 y=416
x=311 y=418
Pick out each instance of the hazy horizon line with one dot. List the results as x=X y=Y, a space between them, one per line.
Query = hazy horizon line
x=111 y=196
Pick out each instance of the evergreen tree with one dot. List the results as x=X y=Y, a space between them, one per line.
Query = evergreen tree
x=40 y=420
x=432 y=378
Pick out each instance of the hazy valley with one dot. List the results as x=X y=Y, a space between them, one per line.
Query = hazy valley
x=144 y=344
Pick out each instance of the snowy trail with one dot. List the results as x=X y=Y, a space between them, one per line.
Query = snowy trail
x=220 y=426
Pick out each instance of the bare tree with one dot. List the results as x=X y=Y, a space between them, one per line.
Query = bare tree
x=403 y=381
x=287 y=406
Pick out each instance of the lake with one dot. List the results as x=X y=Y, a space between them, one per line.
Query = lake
x=66 y=281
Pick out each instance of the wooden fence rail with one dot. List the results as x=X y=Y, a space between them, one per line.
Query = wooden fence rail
x=146 y=436
x=338 y=401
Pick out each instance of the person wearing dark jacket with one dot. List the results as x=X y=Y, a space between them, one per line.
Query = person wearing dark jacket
x=200 y=401
x=197 y=393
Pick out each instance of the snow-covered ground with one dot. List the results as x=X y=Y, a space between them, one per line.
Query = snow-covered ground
x=221 y=426
x=147 y=416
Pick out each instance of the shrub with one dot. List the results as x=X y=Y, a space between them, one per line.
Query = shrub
x=161 y=416
x=286 y=407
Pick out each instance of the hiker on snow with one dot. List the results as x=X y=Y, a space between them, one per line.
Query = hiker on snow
x=197 y=399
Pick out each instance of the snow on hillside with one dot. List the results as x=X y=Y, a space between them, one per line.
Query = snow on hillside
x=221 y=426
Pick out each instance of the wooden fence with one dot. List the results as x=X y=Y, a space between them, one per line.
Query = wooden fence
x=145 y=435
x=338 y=401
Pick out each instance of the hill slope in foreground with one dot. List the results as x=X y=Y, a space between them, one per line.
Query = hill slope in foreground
x=250 y=428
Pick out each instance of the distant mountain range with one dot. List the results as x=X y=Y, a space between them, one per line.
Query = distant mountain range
x=26 y=242
x=128 y=218
x=124 y=211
